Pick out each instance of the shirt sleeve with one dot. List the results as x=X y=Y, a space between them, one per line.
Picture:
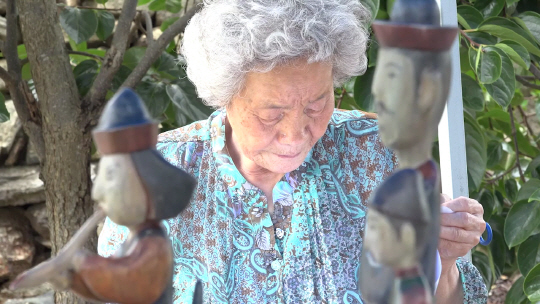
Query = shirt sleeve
x=474 y=288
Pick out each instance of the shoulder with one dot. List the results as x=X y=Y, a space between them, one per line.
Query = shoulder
x=355 y=123
x=179 y=145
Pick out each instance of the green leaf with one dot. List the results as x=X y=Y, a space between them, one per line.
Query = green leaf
x=482 y=38
x=372 y=53
x=184 y=97
x=511 y=189
x=528 y=189
x=535 y=196
x=481 y=261
x=516 y=295
x=4 y=113
x=157 y=5
x=473 y=97
x=489 y=65
x=503 y=89
x=85 y=73
x=529 y=254
x=469 y=17
x=533 y=168
x=372 y=6
x=494 y=153
x=362 y=91
x=508 y=30
x=168 y=67
x=142 y=2
x=464 y=63
x=476 y=152
x=79 y=24
x=487 y=200
x=531 y=285
x=173 y=6
x=389 y=6
x=102 y=1
x=490 y=8
x=521 y=221
x=120 y=77
x=105 y=24
x=167 y=22
x=154 y=96
x=497 y=250
x=133 y=56
x=497 y=114
x=532 y=21
x=516 y=52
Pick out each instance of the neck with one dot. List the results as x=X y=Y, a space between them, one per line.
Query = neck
x=253 y=173
x=414 y=156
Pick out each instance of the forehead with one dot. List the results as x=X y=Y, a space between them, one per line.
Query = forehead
x=296 y=81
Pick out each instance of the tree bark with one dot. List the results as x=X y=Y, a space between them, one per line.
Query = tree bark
x=67 y=143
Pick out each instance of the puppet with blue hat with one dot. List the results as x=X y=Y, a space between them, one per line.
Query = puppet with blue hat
x=137 y=188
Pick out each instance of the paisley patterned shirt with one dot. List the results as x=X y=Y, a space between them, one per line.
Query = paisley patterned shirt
x=308 y=250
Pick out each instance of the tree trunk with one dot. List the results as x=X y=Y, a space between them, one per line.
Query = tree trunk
x=65 y=167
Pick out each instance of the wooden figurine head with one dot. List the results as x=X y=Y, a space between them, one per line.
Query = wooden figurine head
x=134 y=183
x=412 y=78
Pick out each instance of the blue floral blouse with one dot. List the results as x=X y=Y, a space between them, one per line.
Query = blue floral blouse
x=308 y=250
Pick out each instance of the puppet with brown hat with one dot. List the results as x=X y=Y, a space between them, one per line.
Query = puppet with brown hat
x=135 y=187
x=410 y=88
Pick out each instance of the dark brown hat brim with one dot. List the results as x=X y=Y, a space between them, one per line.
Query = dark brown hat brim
x=126 y=140
x=414 y=37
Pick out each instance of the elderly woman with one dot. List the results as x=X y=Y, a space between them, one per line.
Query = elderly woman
x=283 y=177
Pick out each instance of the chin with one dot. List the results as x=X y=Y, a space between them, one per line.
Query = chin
x=277 y=164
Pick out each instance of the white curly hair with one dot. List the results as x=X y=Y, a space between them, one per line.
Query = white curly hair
x=229 y=38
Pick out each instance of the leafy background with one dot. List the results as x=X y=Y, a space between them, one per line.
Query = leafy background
x=499 y=55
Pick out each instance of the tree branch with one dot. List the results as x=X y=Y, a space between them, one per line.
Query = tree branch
x=149 y=28
x=95 y=99
x=464 y=34
x=498 y=177
x=4 y=75
x=2 y=44
x=25 y=60
x=155 y=49
x=535 y=71
x=23 y=100
x=526 y=83
x=514 y=137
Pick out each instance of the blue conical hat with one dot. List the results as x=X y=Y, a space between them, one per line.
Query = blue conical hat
x=125 y=125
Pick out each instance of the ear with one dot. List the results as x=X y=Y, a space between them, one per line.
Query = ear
x=430 y=89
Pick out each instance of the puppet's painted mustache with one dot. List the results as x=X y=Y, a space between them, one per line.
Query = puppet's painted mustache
x=62 y=262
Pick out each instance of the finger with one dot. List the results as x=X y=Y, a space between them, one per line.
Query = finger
x=445 y=198
x=463 y=220
x=452 y=250
x=458 y=235
x=465 y=204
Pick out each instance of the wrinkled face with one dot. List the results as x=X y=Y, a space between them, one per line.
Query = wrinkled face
x=119 y=191
x=394 y=88
x=386 y=245
x=279 y=115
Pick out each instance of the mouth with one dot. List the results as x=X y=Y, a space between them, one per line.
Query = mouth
x=289 y=156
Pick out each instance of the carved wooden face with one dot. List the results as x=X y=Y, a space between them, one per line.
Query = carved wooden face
x=119 y=191
x=390 y=246
x=409 y=99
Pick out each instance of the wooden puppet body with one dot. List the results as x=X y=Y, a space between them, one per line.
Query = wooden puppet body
x=134 y=274
x=405 y=195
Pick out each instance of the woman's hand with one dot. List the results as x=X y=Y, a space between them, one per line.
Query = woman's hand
x=461 y=230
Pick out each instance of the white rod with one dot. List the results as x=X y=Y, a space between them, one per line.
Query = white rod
x=453 y=156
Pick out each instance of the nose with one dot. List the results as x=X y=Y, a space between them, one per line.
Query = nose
x=293 y=131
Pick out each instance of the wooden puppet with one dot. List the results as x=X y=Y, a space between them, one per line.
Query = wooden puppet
x=135 y=187
x=410 y=88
